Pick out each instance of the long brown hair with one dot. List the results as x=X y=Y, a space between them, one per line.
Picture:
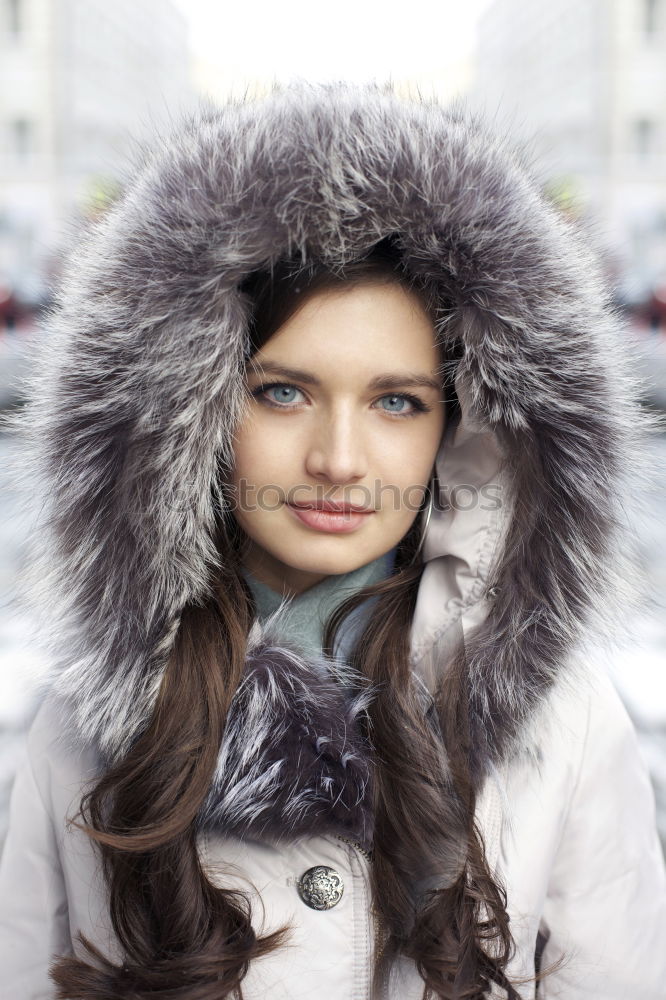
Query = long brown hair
x=434 y=897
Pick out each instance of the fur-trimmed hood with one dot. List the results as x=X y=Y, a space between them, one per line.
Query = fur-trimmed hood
x=139 y=384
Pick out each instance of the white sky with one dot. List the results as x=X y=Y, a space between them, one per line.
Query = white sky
x=427 y=42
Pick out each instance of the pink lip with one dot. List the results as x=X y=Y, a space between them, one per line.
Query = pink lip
x=341 y=521
x=332 y=505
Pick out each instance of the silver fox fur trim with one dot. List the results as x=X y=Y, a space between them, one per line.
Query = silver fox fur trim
x=139 y=384
x=293 y=760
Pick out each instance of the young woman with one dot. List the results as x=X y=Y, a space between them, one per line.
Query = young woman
x=331 y=440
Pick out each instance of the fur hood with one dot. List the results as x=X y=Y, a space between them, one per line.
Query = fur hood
x=139 y=383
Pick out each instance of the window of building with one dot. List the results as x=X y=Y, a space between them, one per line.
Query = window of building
x=22 y=138
x=644 y=136
x=651 y=10
x=15 y=17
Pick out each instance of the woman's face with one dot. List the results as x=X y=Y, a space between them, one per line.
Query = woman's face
x=356 y=419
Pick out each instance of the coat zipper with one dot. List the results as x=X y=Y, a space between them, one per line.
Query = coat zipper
x=355 y=844
x=375 y=922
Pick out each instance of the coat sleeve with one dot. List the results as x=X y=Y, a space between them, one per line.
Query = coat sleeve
x=605 y=911
x=34 y=922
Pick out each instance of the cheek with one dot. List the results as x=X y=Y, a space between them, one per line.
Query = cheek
x=409 y=458
x=246 y=457
x=258 y=455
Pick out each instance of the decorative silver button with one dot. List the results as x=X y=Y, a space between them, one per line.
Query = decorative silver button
x=320 y=887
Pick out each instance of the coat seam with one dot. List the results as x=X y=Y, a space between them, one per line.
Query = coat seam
x=579 y=772
x=360 y=936
x=492 y=533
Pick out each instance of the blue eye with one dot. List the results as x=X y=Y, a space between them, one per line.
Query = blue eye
x=416 y=405
x=284 y=399
x=283 y=396
x=400 y=399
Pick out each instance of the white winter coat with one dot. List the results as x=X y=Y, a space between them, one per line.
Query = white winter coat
x=572 y=837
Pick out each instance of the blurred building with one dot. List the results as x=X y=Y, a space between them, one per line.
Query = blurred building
x=585 y=81
x=78 y=80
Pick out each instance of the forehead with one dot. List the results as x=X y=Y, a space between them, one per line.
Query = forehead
x=363 y=328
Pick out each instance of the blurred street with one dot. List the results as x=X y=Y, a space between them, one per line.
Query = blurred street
x=17 y=664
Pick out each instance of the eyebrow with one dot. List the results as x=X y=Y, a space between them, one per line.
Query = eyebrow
x=387 y=380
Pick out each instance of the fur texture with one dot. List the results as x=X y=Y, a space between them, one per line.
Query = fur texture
x=140 y=383
x=293 y=760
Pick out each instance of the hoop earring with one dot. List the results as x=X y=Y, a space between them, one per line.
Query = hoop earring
x=434 y=483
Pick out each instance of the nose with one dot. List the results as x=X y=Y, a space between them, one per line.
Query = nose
x=336 y=452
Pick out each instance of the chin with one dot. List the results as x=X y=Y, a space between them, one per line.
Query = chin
x=330 y=564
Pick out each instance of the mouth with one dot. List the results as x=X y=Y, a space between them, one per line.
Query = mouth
x=331 y=507
x=338 y=518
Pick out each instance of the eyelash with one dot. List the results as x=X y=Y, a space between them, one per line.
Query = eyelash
x=417 y=403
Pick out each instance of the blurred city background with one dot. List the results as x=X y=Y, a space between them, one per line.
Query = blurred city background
x=582 y=81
